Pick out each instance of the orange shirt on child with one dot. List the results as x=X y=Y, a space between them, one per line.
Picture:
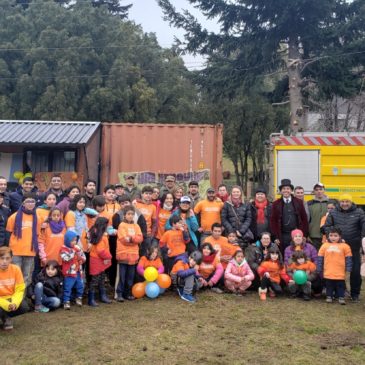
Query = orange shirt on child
x=273 y=268
x=145 y=262
x=128 y=251
x=307 y=266
x=149 y=212
x=174 y=240
x=163 y=216
x=207 y=269
x=210 y=213
x=180 y=265
x=12 y=286
x=52 y=243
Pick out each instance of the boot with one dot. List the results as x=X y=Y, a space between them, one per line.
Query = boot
x=91 y=299
x=103 y=297
x=262 y=293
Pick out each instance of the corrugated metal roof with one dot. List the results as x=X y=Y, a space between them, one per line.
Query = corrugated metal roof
x=46 y=132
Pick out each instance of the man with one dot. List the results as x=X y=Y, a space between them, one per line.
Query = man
x=89 y=192
x=222 y=193
x=16 y=197
x=193 y=193
x=3 y=189
x=287 y=214
x=130 y=189
x=299 y=193
x=4 y=215
x=55 y=187
x=351 y=221
x=119 y=191
x=317 y=210
x=111 y=206
x=209 y=211
x=170 y=183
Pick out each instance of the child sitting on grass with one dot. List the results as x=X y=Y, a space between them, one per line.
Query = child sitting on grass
x=151 y=259
x=334 y=260
x=72 y=257
x=185 y=275
x=12 y=288
x=271 y=272
x=238 y=275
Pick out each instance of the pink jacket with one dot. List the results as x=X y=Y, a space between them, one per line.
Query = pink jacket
x=235 y=272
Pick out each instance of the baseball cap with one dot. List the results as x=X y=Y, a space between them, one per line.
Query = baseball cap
x=193 y=183
x=130 y=176
x=118 y=185
x=210 y=190
x=318 y=185
x=185 y=199
x=170 y=178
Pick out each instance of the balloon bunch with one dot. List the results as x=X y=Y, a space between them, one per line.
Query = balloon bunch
x=18 y=175
x=154 y=285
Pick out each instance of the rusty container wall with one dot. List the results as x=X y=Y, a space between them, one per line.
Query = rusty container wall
x=163 y=148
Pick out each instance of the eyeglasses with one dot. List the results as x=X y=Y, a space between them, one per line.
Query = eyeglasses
x=30 y=201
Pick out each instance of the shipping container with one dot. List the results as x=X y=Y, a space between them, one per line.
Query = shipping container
x=337 y=160
x=184 y=150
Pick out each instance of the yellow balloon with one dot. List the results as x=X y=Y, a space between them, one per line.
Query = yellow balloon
x=21 y=180
x=151 y=273
x=28 y=174
x=18 y=174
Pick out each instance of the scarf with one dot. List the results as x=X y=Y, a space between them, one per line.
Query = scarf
x=44 y=206
x=166 y=207
x=19 y=224
x=81 y=224
x=261 y=211
x=236 y=202
x=224 y=197
x=209 y=259
x=57 y=227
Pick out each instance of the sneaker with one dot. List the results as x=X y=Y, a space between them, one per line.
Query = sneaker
x=329 y=300
x=66 y=305
x=306 y=297
x=180 y=291
x=342 y=301
x=8 y=324
x=130 y=297
x=272 y=293
x=217 y=290
x=78 y=302
x=120 y=299
x=188 y=298
x=41 y=309
x=355 y=299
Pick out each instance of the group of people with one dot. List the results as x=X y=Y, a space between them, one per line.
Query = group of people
x=57 y=246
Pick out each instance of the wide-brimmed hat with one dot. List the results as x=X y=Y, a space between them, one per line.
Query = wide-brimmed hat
x=286 y=182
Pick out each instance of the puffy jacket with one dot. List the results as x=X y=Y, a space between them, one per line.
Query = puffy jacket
x=4 y=235
x=236 y=218
x=351 y=222
x=253 y=225
x=16 y=198
x=235 y=272
x=308 y=249
x=255 y=254
x=182 y=268
x=52 y=286
x=317 y=209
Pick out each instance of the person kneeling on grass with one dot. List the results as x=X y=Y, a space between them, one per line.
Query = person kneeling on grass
x=12 y=288
x=272 y=272
x=185 y=275
x=238 y=275
x=210 y=270
x=47 y=288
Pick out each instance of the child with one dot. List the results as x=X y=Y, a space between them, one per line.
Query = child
x=100 y=260
x=238 y=275
x=51 y=238
x=151 y=259
x=299 y=261
x=111 y=205
x=174 y=241
x=271 y=272
x=12 y=288
x=185 y=275
x=129 y=239
x=210 y=269
x=47 y=288
x=335 y=259
x=72 y=257
x=43 y=210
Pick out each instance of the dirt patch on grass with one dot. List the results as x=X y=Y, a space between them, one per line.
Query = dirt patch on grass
x=347 y=339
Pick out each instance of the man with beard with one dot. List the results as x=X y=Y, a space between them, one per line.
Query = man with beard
x=55 y=187
x=193 y=193
x=89 y=190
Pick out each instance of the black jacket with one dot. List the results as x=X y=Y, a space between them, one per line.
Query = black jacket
x=52 y=287
x=236 y=218
x=351 y=222
x=253 y=225
x=254 y=254
x=4 y=215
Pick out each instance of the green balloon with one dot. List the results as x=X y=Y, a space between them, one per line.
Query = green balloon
x=300 y=277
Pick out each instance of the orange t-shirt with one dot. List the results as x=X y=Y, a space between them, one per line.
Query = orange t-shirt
x=174 y=240
x=207 y=269
x=274 y=269
x=210 y=213
x=42 y=214
x=22 y=246
x=128 y=252
x=91 y=219
x=52 y=243
x=180 y=265
x=307 y=266
x=225 y=249
x=149 y=213
x=334 y=256
x=9 y=279
x=110 y=210
x=145 y=262
x=163 y=216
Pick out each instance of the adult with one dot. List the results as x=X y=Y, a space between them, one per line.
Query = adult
x=55 y=187
x=208 y=212
x=236 y=217
x=131 y=189
x=4 y=190
x=287 y=214
x=119 y=190
x=193 y=193
x=4 y=215
x=70 y=193
x=89 y=192
x=351 y=220
x=177 y=192
x=170 y=183
x=299 y=193
x=317 y=210
x=50 y=201
x=111 y=204
x=16 y=197
x=260 y=213
x=222 y=193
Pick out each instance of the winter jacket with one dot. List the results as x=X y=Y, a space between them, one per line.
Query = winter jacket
x=308 y=249
x=317 y=209
x=133 y=194
x=254 y=254
x=307 y=266
x=253 y=225
x=182 y=268
x=72 y=260
x=236 y=218
x=16 y=198
x=276 y=272
x=211 y=270
x=277 y=214
x=351 y=222
x=191 y=222
x=52 y=286
x=236 y=272
x=64 y=205
x=99 y=253
x=4 y=235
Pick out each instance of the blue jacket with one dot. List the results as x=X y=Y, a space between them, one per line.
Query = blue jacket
x=16 y=198
x=192 y=224
x=4 y=235
x=185 y=273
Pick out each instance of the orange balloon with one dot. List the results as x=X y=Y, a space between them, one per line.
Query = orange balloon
x=139 y=290
x=164 y=281
x=74 y=176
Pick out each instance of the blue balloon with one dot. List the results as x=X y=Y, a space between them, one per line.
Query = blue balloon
x=152 y=290
x=162 y=290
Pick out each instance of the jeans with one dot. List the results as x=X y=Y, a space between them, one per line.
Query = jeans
x=26 y=264
x=267 y=283
x=189 y=284
x=336 y=287
x=355 y=277
x=42 y=299
x=126 y=279
x=70 y=282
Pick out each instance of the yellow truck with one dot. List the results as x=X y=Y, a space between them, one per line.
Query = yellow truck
x=337 y=160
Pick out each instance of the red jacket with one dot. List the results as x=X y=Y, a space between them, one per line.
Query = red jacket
x=100 y=257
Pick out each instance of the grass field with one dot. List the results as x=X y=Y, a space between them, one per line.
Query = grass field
x=218 y=329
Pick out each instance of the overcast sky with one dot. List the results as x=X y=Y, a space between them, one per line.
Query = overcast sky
x=149 y=15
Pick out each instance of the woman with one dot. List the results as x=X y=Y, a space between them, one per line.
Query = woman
x=43 y=210
x=164 y=213
x=236 y=217
x=177 y=192
x=70 y=193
